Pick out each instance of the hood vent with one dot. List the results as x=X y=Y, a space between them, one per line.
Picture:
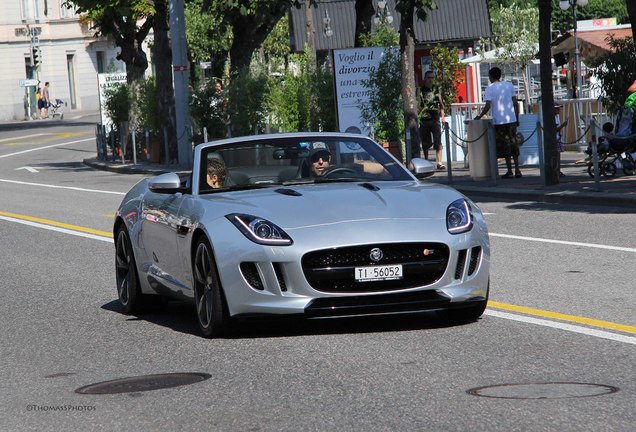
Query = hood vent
x=370 y=186
x=290 y=192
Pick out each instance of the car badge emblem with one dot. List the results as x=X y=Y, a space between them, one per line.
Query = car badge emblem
x=376 y=254
x=428 y=252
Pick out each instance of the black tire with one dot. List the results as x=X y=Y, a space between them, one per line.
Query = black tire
x=590 y=170
x=609 y=169
x=470 y=313
x=211 y=311
x=128 y=290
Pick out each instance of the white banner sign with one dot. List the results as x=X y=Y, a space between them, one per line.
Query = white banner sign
x=106 y=81
x=352 y=67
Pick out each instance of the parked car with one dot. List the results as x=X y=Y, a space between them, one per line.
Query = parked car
x=307 y=224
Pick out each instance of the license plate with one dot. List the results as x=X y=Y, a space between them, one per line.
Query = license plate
x=378 y=273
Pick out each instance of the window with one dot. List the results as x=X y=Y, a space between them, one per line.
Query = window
x=67 y=9
x=99 y=56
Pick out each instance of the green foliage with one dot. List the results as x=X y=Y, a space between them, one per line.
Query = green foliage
x=146 y=105
x=205 y=32
x=290 y=101
x=616 y=71
x=516 y=33
x=382 y=35
x=562 y=19
x=118 y=102
x=208 y=109
x=384 y=110
x=276 y=45
x=247 y=93
x=448 y=72
x=421 y=7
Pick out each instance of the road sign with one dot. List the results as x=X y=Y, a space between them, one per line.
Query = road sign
x=29 y=82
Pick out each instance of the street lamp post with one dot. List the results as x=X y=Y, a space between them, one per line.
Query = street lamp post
x=565 y=4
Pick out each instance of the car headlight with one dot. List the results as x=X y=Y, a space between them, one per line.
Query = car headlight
x=260 y=230
x=459 y=217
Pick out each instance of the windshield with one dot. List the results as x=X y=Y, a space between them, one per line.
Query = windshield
x=296 y=160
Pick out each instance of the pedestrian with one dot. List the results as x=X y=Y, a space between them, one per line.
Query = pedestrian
x=46 y=101
x=560 y=143
x=431 y=113
x=39 y=101
x=500 y=96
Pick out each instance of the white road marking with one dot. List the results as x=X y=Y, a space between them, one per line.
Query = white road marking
x=563 y=242
x=62 y=187
x=29 y=169
x=563 y=326
x=46 y=147
x=62 y=230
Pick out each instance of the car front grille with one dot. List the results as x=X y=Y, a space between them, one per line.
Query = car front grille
x=333 y=270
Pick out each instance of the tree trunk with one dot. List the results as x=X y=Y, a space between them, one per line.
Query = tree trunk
x=162 y=54
x=547 y=97
x=631 y=11
x=364 y=15
x=407 y=52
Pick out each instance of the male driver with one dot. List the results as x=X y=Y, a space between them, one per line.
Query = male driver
x=500 y=96
x=320 y=159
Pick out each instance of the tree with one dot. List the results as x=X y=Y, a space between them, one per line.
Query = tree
x=407 y=10
x=208 y=38
x=547 y=97
x=616 y=71
x=251 y=21
x=162 y=55
x=364 y=15
x=128 y=22
x=448 y=72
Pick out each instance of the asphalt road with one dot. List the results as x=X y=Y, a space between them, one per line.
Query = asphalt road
x=561 y=322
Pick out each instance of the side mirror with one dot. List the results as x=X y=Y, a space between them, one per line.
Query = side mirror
x=421 y=168
x=168 y=183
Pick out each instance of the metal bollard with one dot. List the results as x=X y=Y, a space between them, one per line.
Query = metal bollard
x=492 y=150
x=205 y=134
x=449 y=162
x=134 y=143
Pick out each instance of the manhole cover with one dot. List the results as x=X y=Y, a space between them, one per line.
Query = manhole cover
x=549 y=390
x=143 y=383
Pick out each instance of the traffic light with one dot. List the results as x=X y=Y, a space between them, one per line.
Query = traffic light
x=37 y=56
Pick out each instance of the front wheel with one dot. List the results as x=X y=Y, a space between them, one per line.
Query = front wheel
x=128 y=290
x=210 y=307
x=609 y=169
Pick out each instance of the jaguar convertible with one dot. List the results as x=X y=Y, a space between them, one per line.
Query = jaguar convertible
x=305 y=224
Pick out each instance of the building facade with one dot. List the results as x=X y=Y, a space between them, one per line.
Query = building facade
x=43 y=40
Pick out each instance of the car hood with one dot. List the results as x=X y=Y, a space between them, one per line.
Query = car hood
x=301 y=206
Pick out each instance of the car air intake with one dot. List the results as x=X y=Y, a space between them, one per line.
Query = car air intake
x=475 y=256
x=279 y=276
x=250 y=273
x=461 y=263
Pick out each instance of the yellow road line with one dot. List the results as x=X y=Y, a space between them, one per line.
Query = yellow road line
x=22 y=137
x=563 y=317
x=110 y=215
x=58 y=224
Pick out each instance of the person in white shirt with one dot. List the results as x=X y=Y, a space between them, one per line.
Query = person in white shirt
x=501 y=98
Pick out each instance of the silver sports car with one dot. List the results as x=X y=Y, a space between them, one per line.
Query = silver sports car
x=307 y=224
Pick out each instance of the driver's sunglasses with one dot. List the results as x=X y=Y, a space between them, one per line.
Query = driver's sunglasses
x=324 y=156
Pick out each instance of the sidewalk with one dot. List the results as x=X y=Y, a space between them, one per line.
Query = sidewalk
x=577 y=187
